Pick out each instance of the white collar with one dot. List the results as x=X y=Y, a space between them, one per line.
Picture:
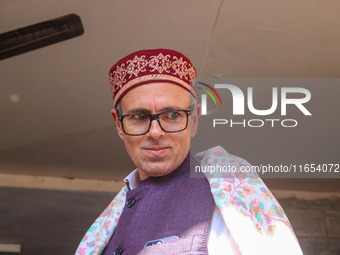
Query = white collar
x=132 y=180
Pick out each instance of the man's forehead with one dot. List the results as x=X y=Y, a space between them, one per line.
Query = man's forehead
x=157 y=96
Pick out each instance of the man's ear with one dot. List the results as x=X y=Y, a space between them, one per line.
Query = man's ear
x=118 y=124
x=194 y=120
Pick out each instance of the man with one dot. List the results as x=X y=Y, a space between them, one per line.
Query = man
x=161 y=210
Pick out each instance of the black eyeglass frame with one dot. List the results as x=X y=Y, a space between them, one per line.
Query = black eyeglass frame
x=155 y=117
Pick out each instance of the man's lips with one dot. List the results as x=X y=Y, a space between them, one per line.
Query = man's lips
x=156 y=150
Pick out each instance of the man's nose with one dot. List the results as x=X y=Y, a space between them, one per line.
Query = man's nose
x=155 y=130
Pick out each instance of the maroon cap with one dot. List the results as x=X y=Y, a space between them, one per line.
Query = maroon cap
x=155 y=65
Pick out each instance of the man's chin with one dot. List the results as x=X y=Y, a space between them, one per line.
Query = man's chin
x=156 y=169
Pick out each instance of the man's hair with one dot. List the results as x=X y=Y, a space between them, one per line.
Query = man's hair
x=119 y=108
x=193 y=104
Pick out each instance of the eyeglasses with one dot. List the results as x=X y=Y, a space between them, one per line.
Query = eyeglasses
x=140 y=123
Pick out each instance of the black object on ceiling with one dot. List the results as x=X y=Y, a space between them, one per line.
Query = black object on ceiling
x=39 y=35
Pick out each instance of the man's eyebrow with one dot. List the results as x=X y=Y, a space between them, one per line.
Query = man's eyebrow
x=173 y=108
x=146 y=111
x=138 y=110
x=169 y=108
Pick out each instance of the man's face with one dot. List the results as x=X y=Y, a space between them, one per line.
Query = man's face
x=156 y=153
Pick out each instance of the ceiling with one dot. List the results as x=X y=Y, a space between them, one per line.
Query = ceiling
x=55 y=101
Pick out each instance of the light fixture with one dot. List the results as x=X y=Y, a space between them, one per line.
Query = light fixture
x=39 y=35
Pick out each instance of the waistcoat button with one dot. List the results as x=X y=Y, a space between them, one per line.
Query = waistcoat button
x=118 y=251
x=131 y=201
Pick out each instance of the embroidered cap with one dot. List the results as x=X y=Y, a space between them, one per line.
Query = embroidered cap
x=155 y=65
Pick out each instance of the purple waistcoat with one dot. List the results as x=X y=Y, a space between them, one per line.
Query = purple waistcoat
x=170 y=205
